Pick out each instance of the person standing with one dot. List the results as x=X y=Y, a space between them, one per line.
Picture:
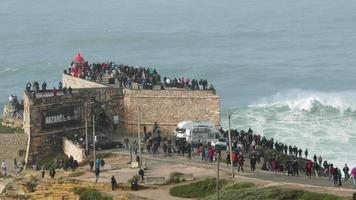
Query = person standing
x=3 y=167
x=44 y=87
x=113 y=183
x=353 y=174
x=241 y=161
x=306 y=153
x=228 y=160
x=337 y=176
x=316 y=169
x=331 y=171
x=97 y=163
x=43 y=172
x=126 y=143
x=189 y=149
x=346 y=172
x=54 y=91
x=295 y=168
x=308 y=168
x=91 y=165
x=142 y=174
x=253 y=162
x=97 y=172
x=102 y=163
x=320 y=160
x=52 y=172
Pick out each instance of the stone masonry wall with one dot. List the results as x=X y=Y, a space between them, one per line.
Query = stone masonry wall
x=169 y=107
x=11 y=145
x=44 y=141
x=70 y=149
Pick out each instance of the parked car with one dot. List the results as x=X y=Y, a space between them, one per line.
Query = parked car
x=221 y=143
x=102 y=142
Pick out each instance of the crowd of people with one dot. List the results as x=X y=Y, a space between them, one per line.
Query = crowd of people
x=17 y=106
x=246 y=144
x=126 y=75
x=34 y=88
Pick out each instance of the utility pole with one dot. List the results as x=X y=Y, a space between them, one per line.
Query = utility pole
x=230 y=145
x=217 y=179
x=139 y=136
x=94 y=138
x=86 y=128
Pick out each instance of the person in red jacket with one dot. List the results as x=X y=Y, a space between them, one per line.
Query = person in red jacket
x=234 y=159
x=54 y=91
x=308 y=168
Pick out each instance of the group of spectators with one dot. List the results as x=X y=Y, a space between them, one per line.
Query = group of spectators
x=34 y=88
x=280 y=151
x=126 y=75
x=16 y=106
x=193 y=84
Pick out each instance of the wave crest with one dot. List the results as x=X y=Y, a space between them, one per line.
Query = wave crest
x=309 y=101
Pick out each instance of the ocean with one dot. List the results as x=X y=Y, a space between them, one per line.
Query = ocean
x=285 y=68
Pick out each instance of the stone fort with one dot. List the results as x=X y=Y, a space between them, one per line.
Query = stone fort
x=47 y=118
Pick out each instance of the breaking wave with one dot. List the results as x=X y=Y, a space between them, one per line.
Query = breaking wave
x=325 y=123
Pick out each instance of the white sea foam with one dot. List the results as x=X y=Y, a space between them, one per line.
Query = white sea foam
x=8 y=69
x=305 y=100
x=322 y=122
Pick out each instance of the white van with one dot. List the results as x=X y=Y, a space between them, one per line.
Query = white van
x=197 y=131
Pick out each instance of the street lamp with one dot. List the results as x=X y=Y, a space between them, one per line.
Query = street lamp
x=94 y=137
x=230 y=144
x=86 y=128
x=139 y=135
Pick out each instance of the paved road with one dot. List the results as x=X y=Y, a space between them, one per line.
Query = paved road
x=320 y=184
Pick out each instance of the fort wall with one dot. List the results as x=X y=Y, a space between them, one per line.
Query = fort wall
x=169 y=107
x=49 y=118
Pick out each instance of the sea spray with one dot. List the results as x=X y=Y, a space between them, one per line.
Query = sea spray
x=325 y=123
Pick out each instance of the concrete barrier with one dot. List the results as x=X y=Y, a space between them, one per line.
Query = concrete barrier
x=152 y=180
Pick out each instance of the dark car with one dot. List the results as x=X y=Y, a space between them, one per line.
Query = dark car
x=103 y=142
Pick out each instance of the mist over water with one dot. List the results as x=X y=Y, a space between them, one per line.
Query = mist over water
x=288 y=65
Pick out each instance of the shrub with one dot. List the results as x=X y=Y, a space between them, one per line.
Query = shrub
x=175 y=177
x=197 y=189
x=238 y=186
x=90 y=194
x=32 y=184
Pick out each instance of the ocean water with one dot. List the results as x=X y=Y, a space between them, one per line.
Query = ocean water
x=286 y=68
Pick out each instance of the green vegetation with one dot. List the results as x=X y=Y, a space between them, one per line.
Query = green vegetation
x=206 y=190
x=90 y=194
x=8 y=130
x=238 y=186
x=177 y=177
x=197 y=189
x=50 y=160
x=76 y=174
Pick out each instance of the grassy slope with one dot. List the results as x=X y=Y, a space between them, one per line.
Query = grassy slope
x=8 y=130
x=206 y=189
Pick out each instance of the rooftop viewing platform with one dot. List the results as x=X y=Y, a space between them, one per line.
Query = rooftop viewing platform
x=125 y=76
